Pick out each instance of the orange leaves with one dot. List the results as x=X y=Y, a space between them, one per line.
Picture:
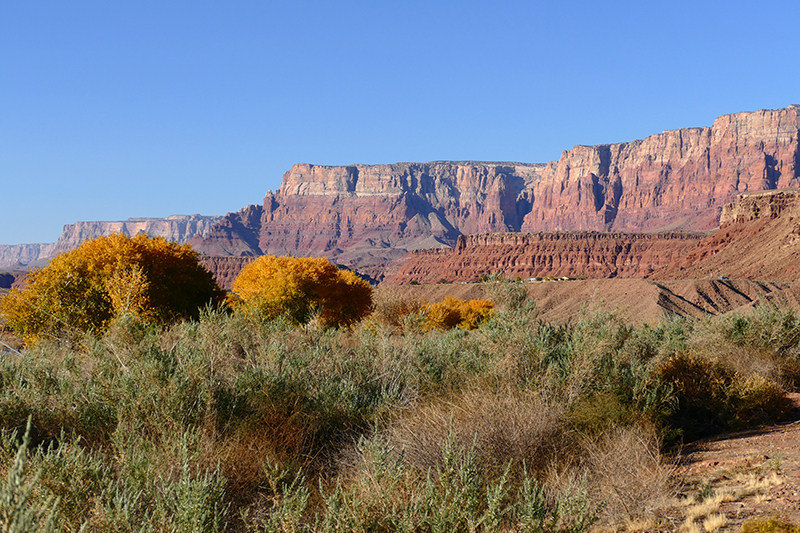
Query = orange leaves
x=300 y=288
x=84 y=289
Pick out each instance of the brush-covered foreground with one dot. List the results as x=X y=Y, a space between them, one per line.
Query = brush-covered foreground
x=229 y=423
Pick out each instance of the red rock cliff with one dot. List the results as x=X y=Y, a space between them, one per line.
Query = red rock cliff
x=679 y=179
x=366 y=215
x=587 y=254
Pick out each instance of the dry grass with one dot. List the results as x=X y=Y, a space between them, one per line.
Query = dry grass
x=714 y=522
x=627 y=471
x=499 y=425
x=392 y=306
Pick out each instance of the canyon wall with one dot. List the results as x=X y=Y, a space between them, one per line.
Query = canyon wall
x=367 y=215
x=176 y=228
x=679 y=179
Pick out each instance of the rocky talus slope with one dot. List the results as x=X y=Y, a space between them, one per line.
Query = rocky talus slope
x=366 y=215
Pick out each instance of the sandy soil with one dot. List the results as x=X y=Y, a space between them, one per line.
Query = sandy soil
x=635 y=301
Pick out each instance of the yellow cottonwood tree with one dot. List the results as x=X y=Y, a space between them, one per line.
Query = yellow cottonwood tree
x=301 y=288
x=84 y=289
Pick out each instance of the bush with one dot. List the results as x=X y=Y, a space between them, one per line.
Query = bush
x=710 y=398
x=85 y=289
x=393 y=307
x=299 y=288
x=452 y=312
x=770 y=525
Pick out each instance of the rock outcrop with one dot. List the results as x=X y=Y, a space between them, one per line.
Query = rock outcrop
x=177 y=228
x=364 y=216
x=679 y=179
x=759 y=239
x=584 y=254
x=225 y=268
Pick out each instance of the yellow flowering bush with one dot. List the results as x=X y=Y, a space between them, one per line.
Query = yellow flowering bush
x=85 y=289
x=302 y=288
x=455 y=312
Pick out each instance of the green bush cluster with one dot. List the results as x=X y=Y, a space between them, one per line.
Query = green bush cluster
x=229 y=422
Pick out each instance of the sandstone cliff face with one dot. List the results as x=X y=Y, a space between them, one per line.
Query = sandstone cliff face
x=176 y=228
x=364 y=216
x=675 y=180
x=224 y=268
x=572 y=254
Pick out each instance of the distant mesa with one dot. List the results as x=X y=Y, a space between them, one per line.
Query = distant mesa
x=178 y=228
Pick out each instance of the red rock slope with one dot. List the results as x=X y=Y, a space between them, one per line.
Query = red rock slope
x=759 y=239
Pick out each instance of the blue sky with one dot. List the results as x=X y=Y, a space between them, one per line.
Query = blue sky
x=110 y=110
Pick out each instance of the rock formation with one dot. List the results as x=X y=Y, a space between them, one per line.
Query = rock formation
x=18 y=255
x=177 y=228
x=679 y=179
x=759 y=239
x=584 y=254
x=225 y=268
x=364 y=216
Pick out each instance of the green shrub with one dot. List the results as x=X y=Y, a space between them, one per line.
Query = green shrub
x=709 y=397
x=19 y=512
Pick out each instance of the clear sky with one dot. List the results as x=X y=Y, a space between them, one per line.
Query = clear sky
x=110 y=110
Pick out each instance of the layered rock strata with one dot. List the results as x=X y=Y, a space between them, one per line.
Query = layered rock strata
x=18 y=255
x=365 y=215
x=176 y=228
x=582 y=254
x=224 y=268
x=678 y=179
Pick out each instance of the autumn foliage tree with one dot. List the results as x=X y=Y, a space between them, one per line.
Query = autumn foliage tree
x=86 y=288
x=301 y=288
